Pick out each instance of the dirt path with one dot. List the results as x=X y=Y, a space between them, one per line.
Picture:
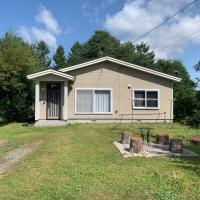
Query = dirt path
x=14 y=156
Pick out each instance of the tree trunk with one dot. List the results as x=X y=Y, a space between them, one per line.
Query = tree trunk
x=176 y=145
x=162 y=139
x=126 y=137
x=136 y=145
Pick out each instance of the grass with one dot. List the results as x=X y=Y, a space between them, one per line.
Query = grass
x=81 y=162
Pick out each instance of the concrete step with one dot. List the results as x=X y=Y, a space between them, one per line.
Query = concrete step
x=50 y=123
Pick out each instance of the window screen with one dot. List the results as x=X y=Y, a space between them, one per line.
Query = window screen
x=93 y=101
x=84 y=101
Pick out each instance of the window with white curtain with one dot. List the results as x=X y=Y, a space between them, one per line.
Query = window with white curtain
x=146 y=99
x=93 y=101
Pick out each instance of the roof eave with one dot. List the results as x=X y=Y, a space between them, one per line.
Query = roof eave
x=130 y=65
x=50 y=72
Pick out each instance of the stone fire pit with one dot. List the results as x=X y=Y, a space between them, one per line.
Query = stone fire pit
x=151 y=150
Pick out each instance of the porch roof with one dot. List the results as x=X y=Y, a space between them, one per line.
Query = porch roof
x=50 y=72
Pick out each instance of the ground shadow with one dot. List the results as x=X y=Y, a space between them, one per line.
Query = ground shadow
x=188 y=163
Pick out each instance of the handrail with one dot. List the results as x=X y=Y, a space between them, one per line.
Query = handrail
x=158 y=115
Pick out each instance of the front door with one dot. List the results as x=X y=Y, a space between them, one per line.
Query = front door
x=53 y=100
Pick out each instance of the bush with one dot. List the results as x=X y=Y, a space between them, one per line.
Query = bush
x=17 y=60
x=194 y=119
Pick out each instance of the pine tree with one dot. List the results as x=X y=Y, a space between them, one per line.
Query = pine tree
x=43 y=51
x=59 y=58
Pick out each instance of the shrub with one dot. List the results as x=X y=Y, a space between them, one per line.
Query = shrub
x=194 y=119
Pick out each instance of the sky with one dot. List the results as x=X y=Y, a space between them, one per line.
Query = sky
x=65 y=22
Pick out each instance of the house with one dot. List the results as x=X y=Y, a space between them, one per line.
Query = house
x=103 y=90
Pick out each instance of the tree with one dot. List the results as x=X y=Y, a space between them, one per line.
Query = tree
x=126 y=52
x=17 y=60
x=184 y=92
x=43 y=51
x=143 y=56
x=197 y=66
x=197 y=69
x=139 y=54
x=194 y=119
x=103 y=44
x=99 y=45
x=59 y=58
x=76 y=54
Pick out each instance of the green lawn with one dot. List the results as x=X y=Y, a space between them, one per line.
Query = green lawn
x=81 y=162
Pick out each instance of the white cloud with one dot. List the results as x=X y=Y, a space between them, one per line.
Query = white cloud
x=47 y=37
x=92 y=8
x=139 y=16
x=25 y=33
x=45 y=17
x=35 y=34
x=48 y=34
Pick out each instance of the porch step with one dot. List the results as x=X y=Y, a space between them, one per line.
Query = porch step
x=50 y=123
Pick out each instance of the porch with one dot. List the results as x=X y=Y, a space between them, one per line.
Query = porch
x=51 y=97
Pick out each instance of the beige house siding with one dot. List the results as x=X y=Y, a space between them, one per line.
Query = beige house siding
x=109 y=75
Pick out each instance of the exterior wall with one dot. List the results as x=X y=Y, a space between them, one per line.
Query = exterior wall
x=109 y=75
x=43 y=95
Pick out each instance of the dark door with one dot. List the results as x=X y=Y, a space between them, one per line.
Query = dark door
x=53 y=101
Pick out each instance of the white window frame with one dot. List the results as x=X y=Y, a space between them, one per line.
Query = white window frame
x=145 y=107
x=94 y=101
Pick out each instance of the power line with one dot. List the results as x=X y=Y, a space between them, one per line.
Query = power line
x=165 y=21
x=184 y=39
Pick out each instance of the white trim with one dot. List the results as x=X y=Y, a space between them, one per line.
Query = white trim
x=172 y=104
x=37 y=100
x=95 y=113
x=65 y=107
x=126 y=64
x=50 y=71
x=145 y=108
x=172 y=111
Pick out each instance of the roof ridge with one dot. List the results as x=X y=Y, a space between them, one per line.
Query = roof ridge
x=124 y=63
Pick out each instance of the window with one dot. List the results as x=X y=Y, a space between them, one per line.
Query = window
x=145 y=99
x=89 y=101
x=102 y=101
x=84 y=101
